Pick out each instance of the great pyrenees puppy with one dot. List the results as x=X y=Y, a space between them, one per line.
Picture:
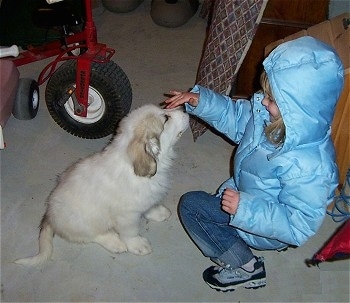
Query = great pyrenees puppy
x=101 y=198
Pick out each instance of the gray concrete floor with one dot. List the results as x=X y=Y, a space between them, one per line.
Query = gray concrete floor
x=155 y=59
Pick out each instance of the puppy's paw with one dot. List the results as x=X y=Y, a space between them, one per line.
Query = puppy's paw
x=117 y=247
x=139 y=246
x=111 y=242
x=158 y=213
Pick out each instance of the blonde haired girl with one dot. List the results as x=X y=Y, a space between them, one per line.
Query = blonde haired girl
x=284 y=170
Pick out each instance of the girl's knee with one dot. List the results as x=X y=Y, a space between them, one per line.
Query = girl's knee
x=188 y=207
x=186 y=203
x=193 y=202
x=190 y=198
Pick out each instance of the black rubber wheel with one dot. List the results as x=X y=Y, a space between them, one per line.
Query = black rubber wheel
x=110 y=98
x=26 y=102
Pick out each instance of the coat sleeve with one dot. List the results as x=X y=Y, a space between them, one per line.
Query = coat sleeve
x=221 y=112
x=293 y=218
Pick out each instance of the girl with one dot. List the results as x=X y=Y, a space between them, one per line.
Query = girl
x=285 y=173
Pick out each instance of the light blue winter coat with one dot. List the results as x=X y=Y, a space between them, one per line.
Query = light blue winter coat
x=284 y=191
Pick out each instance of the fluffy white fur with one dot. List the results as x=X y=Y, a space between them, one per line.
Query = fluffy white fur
x=102 y=198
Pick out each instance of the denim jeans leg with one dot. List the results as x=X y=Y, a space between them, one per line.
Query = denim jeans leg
x=207 y=225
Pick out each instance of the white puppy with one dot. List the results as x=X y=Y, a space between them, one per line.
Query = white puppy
x=102 y=198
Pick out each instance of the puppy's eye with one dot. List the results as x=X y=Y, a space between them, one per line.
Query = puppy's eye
x=167 y=117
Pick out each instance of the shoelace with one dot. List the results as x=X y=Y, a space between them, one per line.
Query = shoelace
x=223 y=268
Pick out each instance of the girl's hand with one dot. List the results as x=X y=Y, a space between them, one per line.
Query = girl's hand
x=230 y=200
x=180 y=98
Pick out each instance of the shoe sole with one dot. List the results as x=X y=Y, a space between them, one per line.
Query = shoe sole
x=254 y=284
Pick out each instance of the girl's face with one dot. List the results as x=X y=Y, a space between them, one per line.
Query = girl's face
x=271 y=107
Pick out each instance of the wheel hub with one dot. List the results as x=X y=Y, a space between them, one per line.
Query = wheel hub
x=95 y=110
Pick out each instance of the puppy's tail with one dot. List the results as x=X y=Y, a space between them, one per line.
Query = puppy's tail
x=45 y=247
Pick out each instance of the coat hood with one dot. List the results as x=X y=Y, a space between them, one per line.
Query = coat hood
x=306 y=78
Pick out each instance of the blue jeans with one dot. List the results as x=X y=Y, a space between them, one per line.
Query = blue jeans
x=208 y=226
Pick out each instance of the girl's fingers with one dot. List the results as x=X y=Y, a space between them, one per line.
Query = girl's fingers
x=179 y=98
x=174 y=92
x=173 y=98
x=174 y=104
x=230 y=192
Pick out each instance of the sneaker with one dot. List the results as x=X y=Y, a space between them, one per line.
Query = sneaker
x=227 y=279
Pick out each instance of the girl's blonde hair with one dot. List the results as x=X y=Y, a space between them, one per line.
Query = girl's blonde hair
x=276 y=131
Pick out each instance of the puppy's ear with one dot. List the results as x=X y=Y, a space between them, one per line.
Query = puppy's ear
x=145 y=160
x=153 y=147
x=145 y=147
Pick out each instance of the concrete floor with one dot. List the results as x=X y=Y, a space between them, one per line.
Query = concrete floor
x=155 y=59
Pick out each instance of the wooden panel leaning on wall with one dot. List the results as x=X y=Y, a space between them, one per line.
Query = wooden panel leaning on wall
x=280 y=19
x=341 y=130
x=335 y=32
